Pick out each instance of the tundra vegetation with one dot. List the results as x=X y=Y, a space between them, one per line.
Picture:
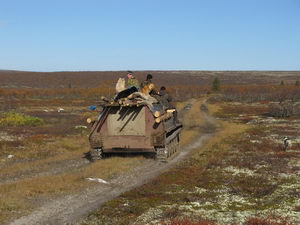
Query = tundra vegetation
x=241 y=176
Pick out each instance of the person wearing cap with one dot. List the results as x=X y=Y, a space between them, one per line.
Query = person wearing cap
x=132 y=81
x=132 y=86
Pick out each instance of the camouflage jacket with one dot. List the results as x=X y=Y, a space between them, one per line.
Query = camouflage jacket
x=133 y=82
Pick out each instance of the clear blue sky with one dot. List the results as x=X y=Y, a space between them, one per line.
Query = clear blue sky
x=56 y=35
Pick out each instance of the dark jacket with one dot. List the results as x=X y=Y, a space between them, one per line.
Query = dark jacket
x=165 y=99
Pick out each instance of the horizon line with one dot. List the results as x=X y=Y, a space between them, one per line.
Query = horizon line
x=153 y=70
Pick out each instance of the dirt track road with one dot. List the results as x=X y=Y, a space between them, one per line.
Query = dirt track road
x=72 y=208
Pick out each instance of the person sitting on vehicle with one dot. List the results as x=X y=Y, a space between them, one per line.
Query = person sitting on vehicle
x=165 y=99
x=132 y=86
x=132 y=81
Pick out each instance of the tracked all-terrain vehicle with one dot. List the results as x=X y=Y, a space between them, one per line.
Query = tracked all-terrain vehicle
x=134 y=127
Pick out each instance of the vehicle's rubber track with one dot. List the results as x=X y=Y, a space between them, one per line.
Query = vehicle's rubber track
x=164 y=154
x=96 y=154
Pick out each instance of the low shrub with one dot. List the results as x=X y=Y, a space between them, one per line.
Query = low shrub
x=256 y=186
x=18 y=119
x=270 y=220
x=297 y=208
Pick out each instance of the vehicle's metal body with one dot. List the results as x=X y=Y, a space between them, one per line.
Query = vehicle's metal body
x=130 y=129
